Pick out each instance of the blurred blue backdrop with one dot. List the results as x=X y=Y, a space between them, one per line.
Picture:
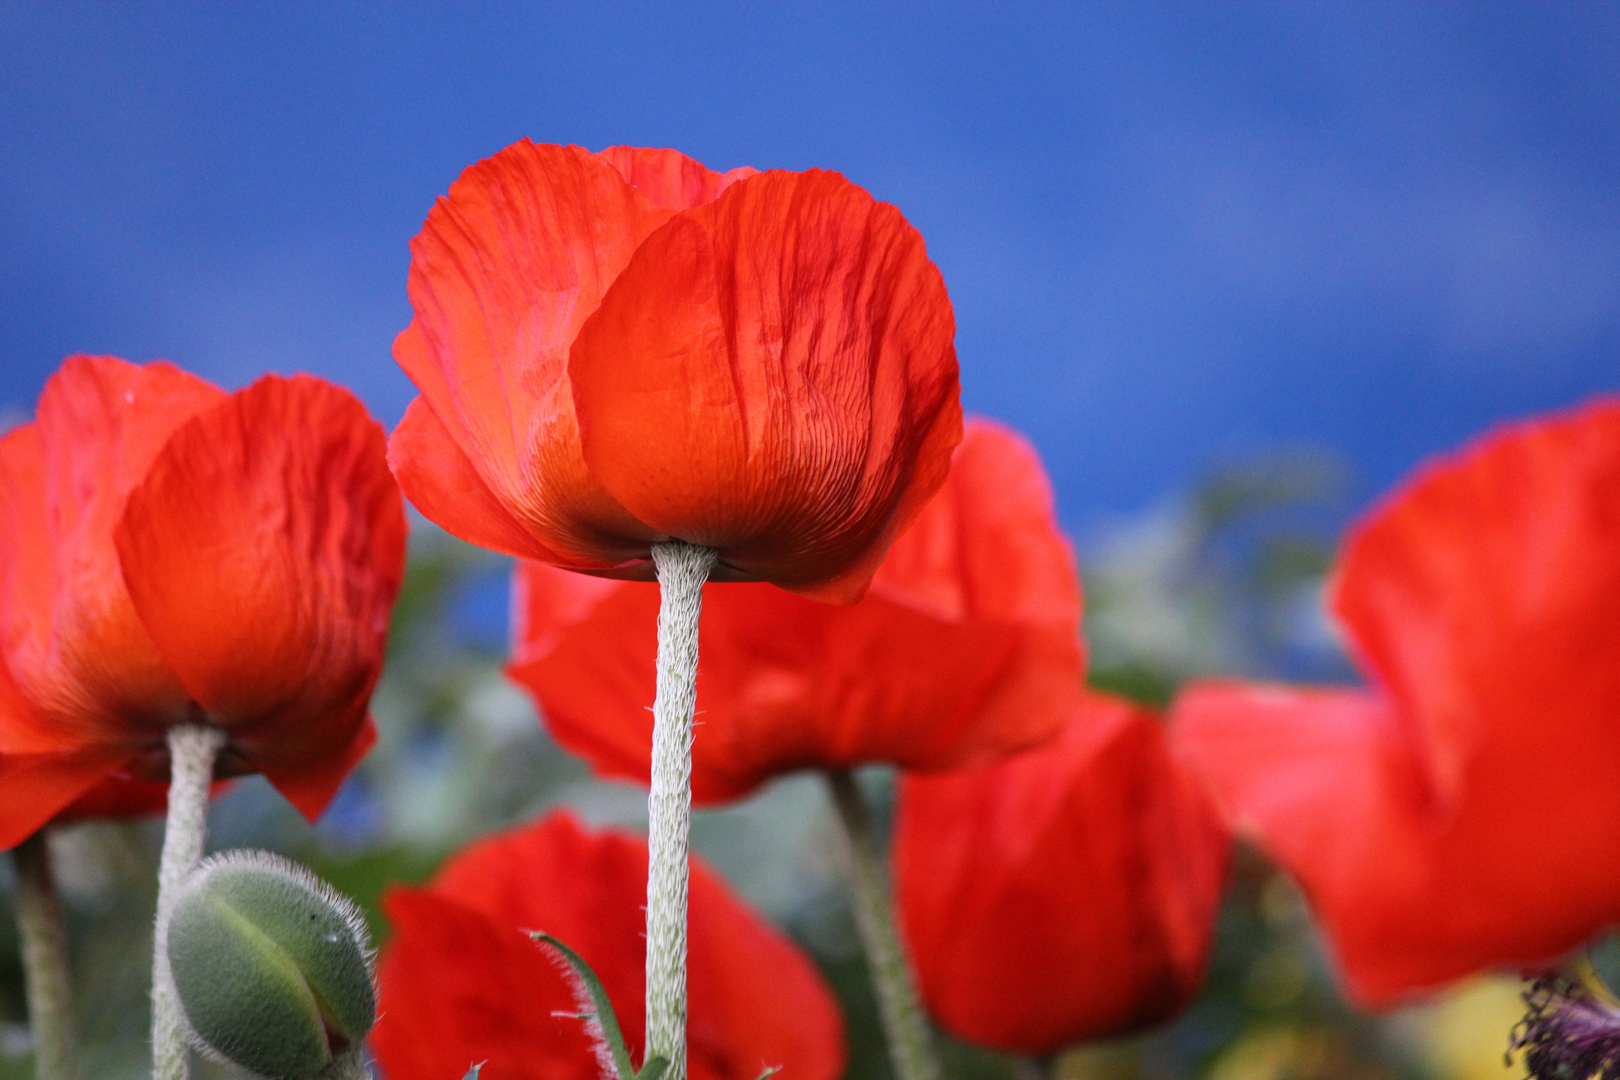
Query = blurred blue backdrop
x=1174 y=234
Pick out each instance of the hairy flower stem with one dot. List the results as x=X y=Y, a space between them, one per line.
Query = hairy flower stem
x=911 y=1047
x=682 y=570
x=45 y=962
x=192 y=749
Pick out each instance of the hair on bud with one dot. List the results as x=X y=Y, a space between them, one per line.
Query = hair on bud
x=272 y=967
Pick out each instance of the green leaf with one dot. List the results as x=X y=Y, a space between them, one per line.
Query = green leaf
x=655 y=1068
x=472 y=1073
x=771 y=1070
x=599 y=1010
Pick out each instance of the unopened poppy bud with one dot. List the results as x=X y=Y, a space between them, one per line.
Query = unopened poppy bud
x=271 y=967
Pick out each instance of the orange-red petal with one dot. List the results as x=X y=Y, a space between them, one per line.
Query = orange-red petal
x=1463 y=815
x=1484 y=590
x=441 y=482
x=967 y=647
x=506 y=269
x=35 y=788
x=1064 y=894
x=669 y=178
x=263 y=551
x=75 y=645
x=461 y=984
x=773 y=375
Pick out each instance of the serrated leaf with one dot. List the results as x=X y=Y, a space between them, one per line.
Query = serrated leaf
x=588 y=988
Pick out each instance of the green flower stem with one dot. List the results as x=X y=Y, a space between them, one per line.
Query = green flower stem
x=682 y=569
x=192 y=749
x=911 y=1047
x=45 y=962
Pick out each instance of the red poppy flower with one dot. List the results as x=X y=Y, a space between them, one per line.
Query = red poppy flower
x=1462 y=811
x=1062 y=894
x=460 y=982
x=967 y=647
x=624 y=348
x=171 y=553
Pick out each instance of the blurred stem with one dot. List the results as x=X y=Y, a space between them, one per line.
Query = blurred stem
x=347 y=1067
x=192 y=749
x=911 y=1047
x=45 y=962
x=1036 y=1067
x=682 y=570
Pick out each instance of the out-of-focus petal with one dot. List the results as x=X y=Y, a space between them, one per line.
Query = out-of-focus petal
x=1483 y=592
x=966 y=649
x=76 y=648
x=1326 y=782
x=1463 y=815
x=309 y=780
x=754 y=999
x=1063 y=894
x=120 y=796
x=773 y=375
x=504 y=272
x=34 y=788
x=669 y=178
x=263 y=551
x=987 y=545
x=458 y=988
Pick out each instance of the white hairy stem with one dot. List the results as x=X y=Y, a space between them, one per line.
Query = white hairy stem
x=905 y=1027
x=45 y=963
x=682 y=570
x=192 y=749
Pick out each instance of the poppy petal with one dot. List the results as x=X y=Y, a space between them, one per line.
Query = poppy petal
x=505 y=270
x=22 y=535
x=669 y=178
x=988 y=545
x=966 y=649
x=1463 y=815
x=263 y=552
x=1063 y=894
x=311 y=781
x=34 y=788
x=1275 y=760
x=441 y=482
x=76 y=647
x=772 y=375
x=1484 y=591
x=755 y=1000
x=458 y=988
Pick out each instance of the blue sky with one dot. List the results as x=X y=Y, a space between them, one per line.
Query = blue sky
x=1174 y=234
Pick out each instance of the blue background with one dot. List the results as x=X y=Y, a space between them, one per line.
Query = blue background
x=1174 y=234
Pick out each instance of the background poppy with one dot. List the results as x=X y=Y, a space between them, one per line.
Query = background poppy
x=1063 y=894
x=173 y=554
x=462 y=983
x=1460 y=813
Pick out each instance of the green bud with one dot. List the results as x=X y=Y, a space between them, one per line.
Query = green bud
x=271 y=967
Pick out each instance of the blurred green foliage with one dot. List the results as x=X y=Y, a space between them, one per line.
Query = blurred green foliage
x=1225 y=580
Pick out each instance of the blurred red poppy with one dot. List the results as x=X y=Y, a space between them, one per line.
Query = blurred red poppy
x=460 y=981
x=624 y=348
x=1062 y=894
x=967 y=647
x=1462 y=811
x=172 y=554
